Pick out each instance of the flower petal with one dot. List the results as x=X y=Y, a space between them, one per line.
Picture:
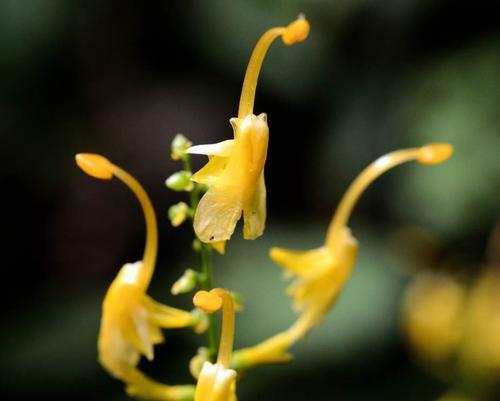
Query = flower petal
x=223 y=148
x=254 y=214
x=210 y=173
x=220 y=246
x=300 y=262
x=137 y=332
x=217 y=214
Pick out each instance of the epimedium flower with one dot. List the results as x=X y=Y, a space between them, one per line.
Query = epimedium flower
x=217 y=381
x=235 y=171
x=320 y=274
x=131 y=320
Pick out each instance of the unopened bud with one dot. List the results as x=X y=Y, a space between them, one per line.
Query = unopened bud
x=198 y=360
x=185 y=283
x=180 y=181
x=197 y=245
x=200 y=321
x=179 y=146
x=178 y=213
x=237 y=300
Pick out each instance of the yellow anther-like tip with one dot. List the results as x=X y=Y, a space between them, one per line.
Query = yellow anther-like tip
x=434 y=153
x=296 y=32
x=208 y=302
x=95 y=165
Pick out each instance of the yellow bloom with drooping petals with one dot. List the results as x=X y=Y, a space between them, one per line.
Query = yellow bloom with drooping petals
x=235 y=171
x=321 y=273
x=216 y=381
x=433 y=316
x=131 y=321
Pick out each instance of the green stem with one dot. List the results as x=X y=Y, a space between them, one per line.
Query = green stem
x=206 y=284
x=194 y=195
x=205 y=264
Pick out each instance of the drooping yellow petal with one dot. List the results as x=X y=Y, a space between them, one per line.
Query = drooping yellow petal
x=254 y=214
x=301 y=262
x=217 y=213
x=321 y=274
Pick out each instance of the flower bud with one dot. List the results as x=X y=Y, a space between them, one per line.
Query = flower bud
x=196 y=363
x=180 y=181
x=200 y=321
x=179 y=146
x=178 y=213
x=196 y=245
x=238 y=301
x=185 y=283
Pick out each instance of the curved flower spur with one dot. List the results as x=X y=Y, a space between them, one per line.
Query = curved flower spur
x=235 y=171
x=131 y=320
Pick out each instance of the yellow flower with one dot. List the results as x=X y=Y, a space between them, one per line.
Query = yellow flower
x=447 y=322
x=433 y=316
x=322 y=272
x=131 y=321
x=480 y=350
x=217 y=382
x=235 y=171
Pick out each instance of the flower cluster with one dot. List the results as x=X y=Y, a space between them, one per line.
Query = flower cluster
x=229 y=186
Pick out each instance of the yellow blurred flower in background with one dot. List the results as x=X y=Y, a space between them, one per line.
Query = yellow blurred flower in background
x=433 y=315
x=480 y=351
x=454 y=326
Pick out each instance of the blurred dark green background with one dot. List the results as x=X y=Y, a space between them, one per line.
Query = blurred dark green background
x=121 y=77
